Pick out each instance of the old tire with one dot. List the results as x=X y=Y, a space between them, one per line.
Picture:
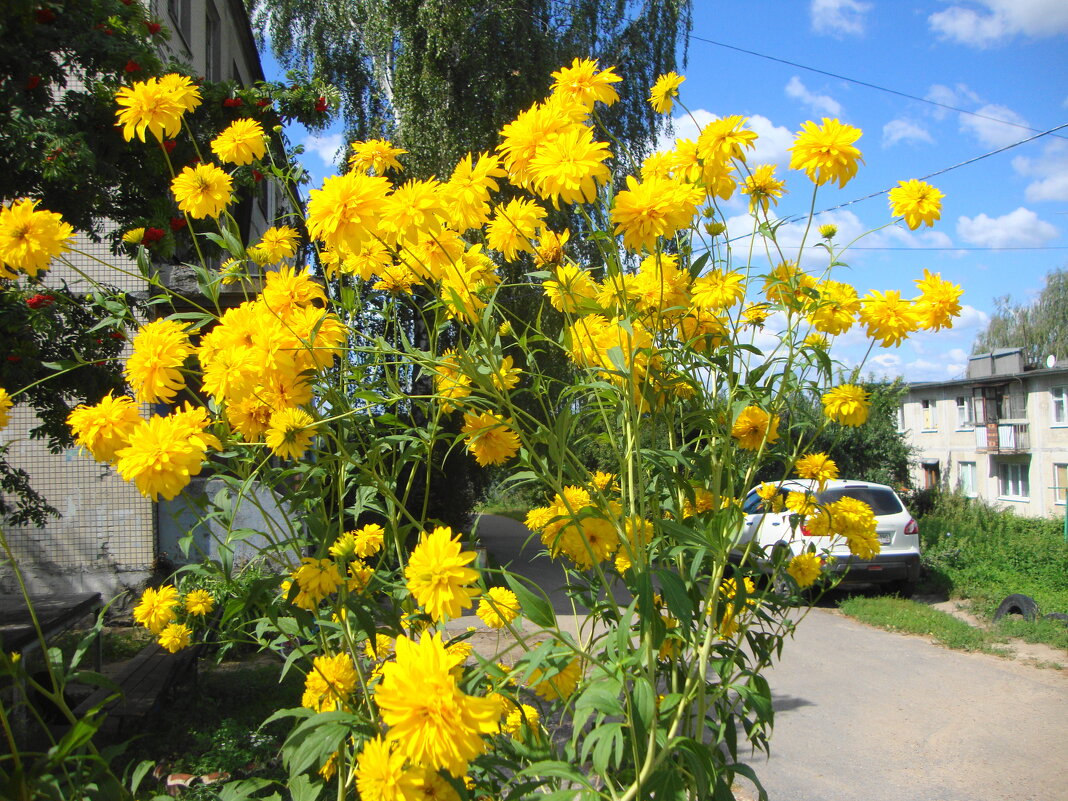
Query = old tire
x=1016 y=604
x=1063 y=618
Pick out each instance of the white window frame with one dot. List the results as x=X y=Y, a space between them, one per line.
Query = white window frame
x=1059 y=406
x=969 y=469
x=1059 y=481
x=928 y=415
x=1014 y=483
x=964 y=413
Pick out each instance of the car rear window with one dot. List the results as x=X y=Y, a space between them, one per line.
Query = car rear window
x=881 y=501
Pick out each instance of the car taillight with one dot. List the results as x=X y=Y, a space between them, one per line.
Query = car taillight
x=805 y=530
x=912 y=527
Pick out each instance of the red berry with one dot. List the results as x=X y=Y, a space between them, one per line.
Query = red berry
x=153 y=28
x=257 y=176
x=178 y=223
x=132 y=66
x=33 y=81
x=263 y=102
x=168 y=145
x=320 y=104
x=233 y=102
x=40 y=301
x=45 y=15
x=152 y=236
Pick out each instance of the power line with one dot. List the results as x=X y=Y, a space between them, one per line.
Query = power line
x=862 y=83
x=950 y=249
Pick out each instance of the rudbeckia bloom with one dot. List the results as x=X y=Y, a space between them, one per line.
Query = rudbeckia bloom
x=889 y=317
x=380 y=773
x=434 y=724
x=438 y=575
x=847 y=404
x=161 y=457
x=657 y=207
x=836 y=309
x=664 y=91
x=805 y=569
x=818 y=466
x=175 y=637
x=104 y=428
x=763 y=188
x=202 y=190
x=917 y=202
x=375 y=154
x=826 y=152
x=753 y=427
x=199 y=602
x=725 y=139
x=329 y=683
x=345 y=212
x=153 y=106
x=29 y=238
x=498 y=607
x=584 y=84
x=939 y=302
x=570 y=167
x=241 y=143
x=5 y=408
x=154 y=368
x=489 y=439
x=157 y=608
x=290 y=432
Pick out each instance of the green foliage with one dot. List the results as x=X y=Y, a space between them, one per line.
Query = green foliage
x=977 y=551
x=1040 y=327
x=911 y=617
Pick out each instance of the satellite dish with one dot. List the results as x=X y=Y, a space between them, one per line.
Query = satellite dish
x=1051 y=361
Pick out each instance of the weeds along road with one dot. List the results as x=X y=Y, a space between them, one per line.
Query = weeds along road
x=862 y=713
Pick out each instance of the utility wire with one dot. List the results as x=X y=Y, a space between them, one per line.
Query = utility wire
x=864 y=83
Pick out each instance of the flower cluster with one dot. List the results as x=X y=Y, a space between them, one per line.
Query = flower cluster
x=165 y=613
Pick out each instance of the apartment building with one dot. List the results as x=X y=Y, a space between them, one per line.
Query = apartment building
x=1000 y=433
x=108 y=536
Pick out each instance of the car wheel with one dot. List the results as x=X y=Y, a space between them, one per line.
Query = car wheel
x=1017 y=604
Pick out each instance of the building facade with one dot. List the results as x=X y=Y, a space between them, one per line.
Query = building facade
x=108 y=536
x=1000 y=433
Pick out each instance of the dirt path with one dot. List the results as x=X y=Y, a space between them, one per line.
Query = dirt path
x=863 y=713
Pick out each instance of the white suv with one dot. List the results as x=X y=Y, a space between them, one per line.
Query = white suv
x=898 y=562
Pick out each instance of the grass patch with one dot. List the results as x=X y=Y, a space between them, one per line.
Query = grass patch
x=503 y=511
x=1048 y=632
x=911 y=617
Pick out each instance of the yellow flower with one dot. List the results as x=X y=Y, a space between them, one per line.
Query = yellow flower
x=938 y=303
x=514 y=722
x=855 y=520
x=514 y=227
x=530 y=130
x=438 y=575
x=368 y=540
x=489 y=438
x=763 y=187
x=175 y=637
x=818 y=466
x=104 y=428
x=664 y=91
x=917 y=202
x=725 y=139
x=467 y=194
x=134 y=236
x=771 y=497
x=345 y=212
x=889 y=317
x=847 y=404
x=157 y=608
x=199 y=602
x=570 y=289
x=450 y=383
x=828 y=231
x=278 y=243
x=202 y=190
x=290 y=432
x=380 y=773
x=316 y=578
x=241 y=143
x=826 y=152
x=801 y=503
x=718 y=290
x=570 y=167
x=154 y=369
x=498 y=607
x=288 y=290
x=413 y=209
x=657 y=207
x=805 y=569
x=155 y=105
x=5 y=409
x=378 y=155
x=30 y=239
x=559 y=685
x=753 y=427
x=435 y=725
x=161 y=457
x=835 y=309
x=582 y=83
x=756 y=314
x=329 y=683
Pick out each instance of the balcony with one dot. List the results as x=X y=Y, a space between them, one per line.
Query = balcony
x=1003 y=437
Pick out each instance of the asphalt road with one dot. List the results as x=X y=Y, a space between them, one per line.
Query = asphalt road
x=867 y=714
x=862 y=714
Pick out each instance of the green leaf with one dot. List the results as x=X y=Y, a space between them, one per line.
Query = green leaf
x=675 y=595
x=537 y=609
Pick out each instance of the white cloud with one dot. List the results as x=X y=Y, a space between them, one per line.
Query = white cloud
x=1051 y=171
x=956 y=96
x=991 y=132
x=685 y=126
x=902 y=130
x=1020 y=228
x=838 y=17
x=985 y=22
x=817 y=103
x=325 y=147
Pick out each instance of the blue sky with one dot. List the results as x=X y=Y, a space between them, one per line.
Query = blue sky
x=1005 y=217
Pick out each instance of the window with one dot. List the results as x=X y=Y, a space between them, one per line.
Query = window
x=900 y=418
x=1060 y=405
x=1060 y=483
x=964 y=413
x=930 y=422
x=213 y=34
x=966 y=479
x=181 y=12
x=1013 y=479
